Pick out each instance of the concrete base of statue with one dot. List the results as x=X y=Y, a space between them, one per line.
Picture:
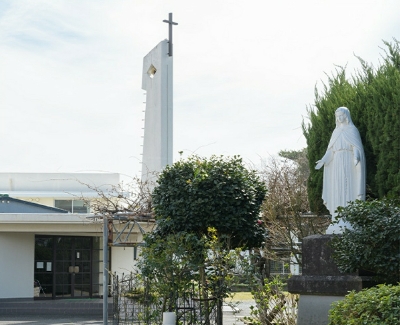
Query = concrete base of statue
x=321 y=282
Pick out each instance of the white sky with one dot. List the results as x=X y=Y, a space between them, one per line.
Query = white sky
x=244 y=75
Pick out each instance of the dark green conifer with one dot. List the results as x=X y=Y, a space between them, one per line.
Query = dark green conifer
x=373 y=97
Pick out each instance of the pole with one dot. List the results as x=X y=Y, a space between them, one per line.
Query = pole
x=170 y=33
x=105 y=270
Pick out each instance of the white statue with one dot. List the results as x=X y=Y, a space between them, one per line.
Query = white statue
x=344 y=167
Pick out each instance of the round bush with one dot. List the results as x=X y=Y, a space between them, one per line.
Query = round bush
x=379 y=305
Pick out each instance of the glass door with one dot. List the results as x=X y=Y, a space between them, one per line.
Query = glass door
x=63 y=267
x=73 y=267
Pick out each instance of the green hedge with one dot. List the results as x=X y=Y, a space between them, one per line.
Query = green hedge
x=379 y=305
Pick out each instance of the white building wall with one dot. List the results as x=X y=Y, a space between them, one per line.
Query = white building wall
x=122 y=260
x=54 y=185
x=294 y=267
x=16 y=265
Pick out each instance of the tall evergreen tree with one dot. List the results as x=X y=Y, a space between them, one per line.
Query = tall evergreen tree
x=373 y=97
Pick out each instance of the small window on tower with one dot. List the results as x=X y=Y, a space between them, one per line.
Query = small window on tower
x=152 y=71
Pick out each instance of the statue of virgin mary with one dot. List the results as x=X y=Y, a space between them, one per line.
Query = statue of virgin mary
x=344 y=168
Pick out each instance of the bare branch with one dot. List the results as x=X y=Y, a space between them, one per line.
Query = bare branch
x=133 y=197
x=285 y=211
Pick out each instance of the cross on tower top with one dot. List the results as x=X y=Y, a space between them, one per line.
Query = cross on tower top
x=170 y=22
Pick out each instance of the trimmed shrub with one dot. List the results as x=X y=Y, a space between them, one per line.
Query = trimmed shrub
x=379 y=305
x=373 y=245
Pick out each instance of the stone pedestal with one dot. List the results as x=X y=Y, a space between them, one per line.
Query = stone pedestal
x=321 y=282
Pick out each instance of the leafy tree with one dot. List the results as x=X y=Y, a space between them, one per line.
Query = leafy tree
x=373 y=97
x=174 y=264
x=169 y=265
x=217 y=199
x=218 y=192
x=373 y=244
x=220 y=270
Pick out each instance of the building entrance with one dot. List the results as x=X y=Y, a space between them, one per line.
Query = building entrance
x=64 y=267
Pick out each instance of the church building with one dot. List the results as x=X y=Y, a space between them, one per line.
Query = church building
x=51 y=246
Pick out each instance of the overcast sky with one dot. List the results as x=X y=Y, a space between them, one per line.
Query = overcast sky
x=244 y=75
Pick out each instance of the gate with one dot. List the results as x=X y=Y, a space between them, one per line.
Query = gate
x=135 y=304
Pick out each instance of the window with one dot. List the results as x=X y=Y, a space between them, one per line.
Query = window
x=73 y=206
x=279 y=267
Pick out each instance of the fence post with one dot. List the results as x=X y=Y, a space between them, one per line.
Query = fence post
x=116 y=299
x=105 y=270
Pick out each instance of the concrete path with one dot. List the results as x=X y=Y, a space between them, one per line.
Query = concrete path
x=58 y=313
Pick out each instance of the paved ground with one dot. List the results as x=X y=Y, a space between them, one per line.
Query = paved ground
x=85 y=312
x=50 y=320
x=234 y=318
x=52 y=312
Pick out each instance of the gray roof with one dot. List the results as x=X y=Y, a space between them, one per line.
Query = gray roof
x=11 y=205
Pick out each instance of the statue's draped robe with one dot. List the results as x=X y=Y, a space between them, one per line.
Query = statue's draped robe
x=343 y=182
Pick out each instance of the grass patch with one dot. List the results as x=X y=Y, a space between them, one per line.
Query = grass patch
x=241 y=296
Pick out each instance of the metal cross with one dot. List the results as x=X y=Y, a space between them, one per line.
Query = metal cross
x=170 y=22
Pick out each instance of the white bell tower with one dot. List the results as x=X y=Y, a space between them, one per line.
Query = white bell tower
x=157 y=82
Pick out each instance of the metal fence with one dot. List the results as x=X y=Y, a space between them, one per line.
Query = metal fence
x=279 y=267
x=134 y=303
